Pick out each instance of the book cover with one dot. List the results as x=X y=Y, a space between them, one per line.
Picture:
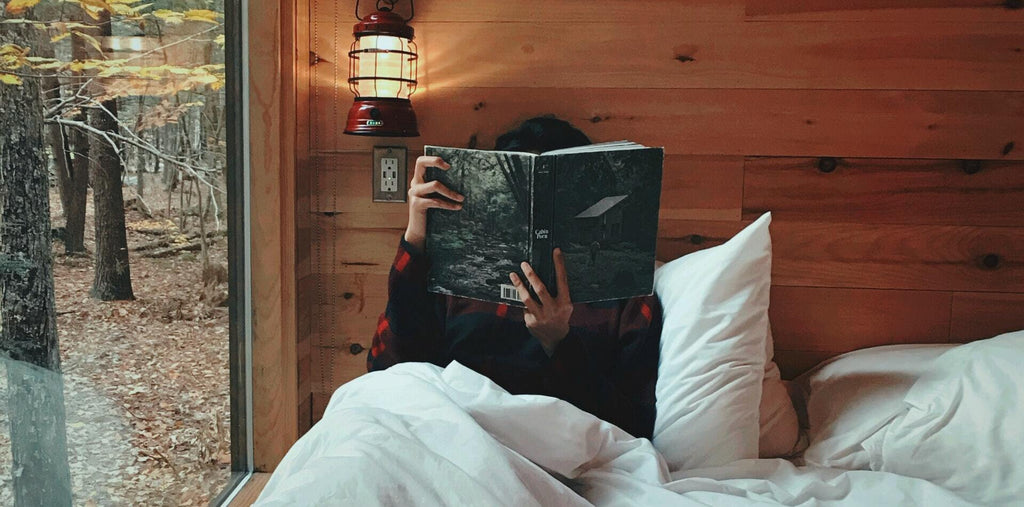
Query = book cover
x=598 y=203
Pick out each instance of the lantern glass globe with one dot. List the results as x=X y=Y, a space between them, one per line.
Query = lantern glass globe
x=385 y=61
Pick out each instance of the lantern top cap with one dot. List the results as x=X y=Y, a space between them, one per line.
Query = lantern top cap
x=383 y=22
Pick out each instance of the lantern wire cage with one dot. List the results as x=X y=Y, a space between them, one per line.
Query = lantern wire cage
x=383 y=66
x=357 y=72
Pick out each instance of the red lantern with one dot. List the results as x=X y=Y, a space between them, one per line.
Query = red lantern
x=382 y=75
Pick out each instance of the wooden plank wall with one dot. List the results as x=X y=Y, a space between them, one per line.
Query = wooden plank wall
x=276 y=212
x=887 y=137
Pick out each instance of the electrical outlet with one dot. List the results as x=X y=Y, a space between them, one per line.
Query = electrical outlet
x=389 y=174
x=390 y=178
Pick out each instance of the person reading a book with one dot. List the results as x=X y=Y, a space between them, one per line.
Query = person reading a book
x=602 y=357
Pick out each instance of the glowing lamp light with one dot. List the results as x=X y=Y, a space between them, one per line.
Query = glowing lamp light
x=382 y=74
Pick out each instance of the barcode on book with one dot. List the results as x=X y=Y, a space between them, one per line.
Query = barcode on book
x=509 y=292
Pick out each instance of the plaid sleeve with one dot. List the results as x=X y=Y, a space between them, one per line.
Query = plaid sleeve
x=613 y=380
x=409 y=328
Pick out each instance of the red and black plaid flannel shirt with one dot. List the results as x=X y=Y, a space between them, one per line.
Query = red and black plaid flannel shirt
x=606 y=365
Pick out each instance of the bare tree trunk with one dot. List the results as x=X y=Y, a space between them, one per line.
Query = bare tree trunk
x=113 y=280
x=28 y=328
x=79 y=143
x=75 y=212
x=140 y=157
x=72 y=175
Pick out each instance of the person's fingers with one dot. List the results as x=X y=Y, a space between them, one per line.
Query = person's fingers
x=538 y=286
x=423 y=162
x=561 y=276
x=441 y=204
x=419 y=189
x=524 y=294
x=441 y=188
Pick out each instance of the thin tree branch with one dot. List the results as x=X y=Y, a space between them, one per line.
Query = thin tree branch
x=111 y=136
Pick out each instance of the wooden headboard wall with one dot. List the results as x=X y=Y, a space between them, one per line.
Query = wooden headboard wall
x=886 y=136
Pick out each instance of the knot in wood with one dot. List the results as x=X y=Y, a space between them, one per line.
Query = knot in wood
x=970 y=166
x=827 y=164
x=990 y=261
x=355 y=349
x=696 y=239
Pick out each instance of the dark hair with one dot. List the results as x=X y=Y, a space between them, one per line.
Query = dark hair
x=540 y=134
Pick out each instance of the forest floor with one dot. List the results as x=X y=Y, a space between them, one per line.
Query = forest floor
x=145 y=381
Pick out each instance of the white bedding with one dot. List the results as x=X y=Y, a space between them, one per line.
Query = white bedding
x=417 y=434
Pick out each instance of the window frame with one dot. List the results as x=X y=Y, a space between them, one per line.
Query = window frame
x=239 y=264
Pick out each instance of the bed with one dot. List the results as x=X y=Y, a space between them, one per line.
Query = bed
x=894 y=425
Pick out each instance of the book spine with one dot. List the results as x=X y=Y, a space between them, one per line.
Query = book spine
x=542 y=220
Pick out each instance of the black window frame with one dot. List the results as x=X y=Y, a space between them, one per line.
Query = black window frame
x=239 y=303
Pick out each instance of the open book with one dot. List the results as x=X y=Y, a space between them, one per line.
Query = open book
x=598 y=203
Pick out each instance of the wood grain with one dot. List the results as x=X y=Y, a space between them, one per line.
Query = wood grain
x=251 y=490
x=338 y=250
x=875 y=256
x=306 y=307
x=320 y=401
x=680 y=237
x=346 y=319
x=345 y=183
x=272 y=191
x=959 y=11
x=305 y=412
x=980 y=316
x=692 y=11
x=341 y=365
x=345 y=297
x=903 y=55
x=566 y=11
x=840 y=320
x=842 y=123
x=923 y=257
x=902 y=191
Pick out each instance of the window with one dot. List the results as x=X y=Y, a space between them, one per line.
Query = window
x=123 y=317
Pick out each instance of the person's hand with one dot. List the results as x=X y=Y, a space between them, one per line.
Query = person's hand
x=546 y=319
x=425 y=195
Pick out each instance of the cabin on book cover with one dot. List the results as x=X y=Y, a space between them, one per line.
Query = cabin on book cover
x=600 y=207
x=605 y=220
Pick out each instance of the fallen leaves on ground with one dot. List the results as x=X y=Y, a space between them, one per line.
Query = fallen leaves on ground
x=146 y=381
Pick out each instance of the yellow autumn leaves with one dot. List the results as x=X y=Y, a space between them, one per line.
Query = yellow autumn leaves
x=174 y=17
x=94 y=8
x=14 y=57
x=127 y=8
x=137 y=79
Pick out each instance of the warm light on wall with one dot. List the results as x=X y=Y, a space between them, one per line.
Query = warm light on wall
x=382 y=74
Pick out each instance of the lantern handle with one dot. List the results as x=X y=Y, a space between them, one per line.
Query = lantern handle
x=391 y=7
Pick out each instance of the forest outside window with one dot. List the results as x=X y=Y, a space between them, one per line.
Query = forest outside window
x=122 y=322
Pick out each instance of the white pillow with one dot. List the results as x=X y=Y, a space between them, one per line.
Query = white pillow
x=712 y=363
x=849 y=398
x=779 y=427
x=963 y=424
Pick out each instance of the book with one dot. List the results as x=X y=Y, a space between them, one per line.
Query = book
x=599 y=203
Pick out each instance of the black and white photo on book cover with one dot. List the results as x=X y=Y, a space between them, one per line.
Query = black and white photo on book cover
x=473 y=250
x=598 y=203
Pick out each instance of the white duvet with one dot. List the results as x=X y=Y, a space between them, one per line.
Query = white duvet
x=417 y=434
